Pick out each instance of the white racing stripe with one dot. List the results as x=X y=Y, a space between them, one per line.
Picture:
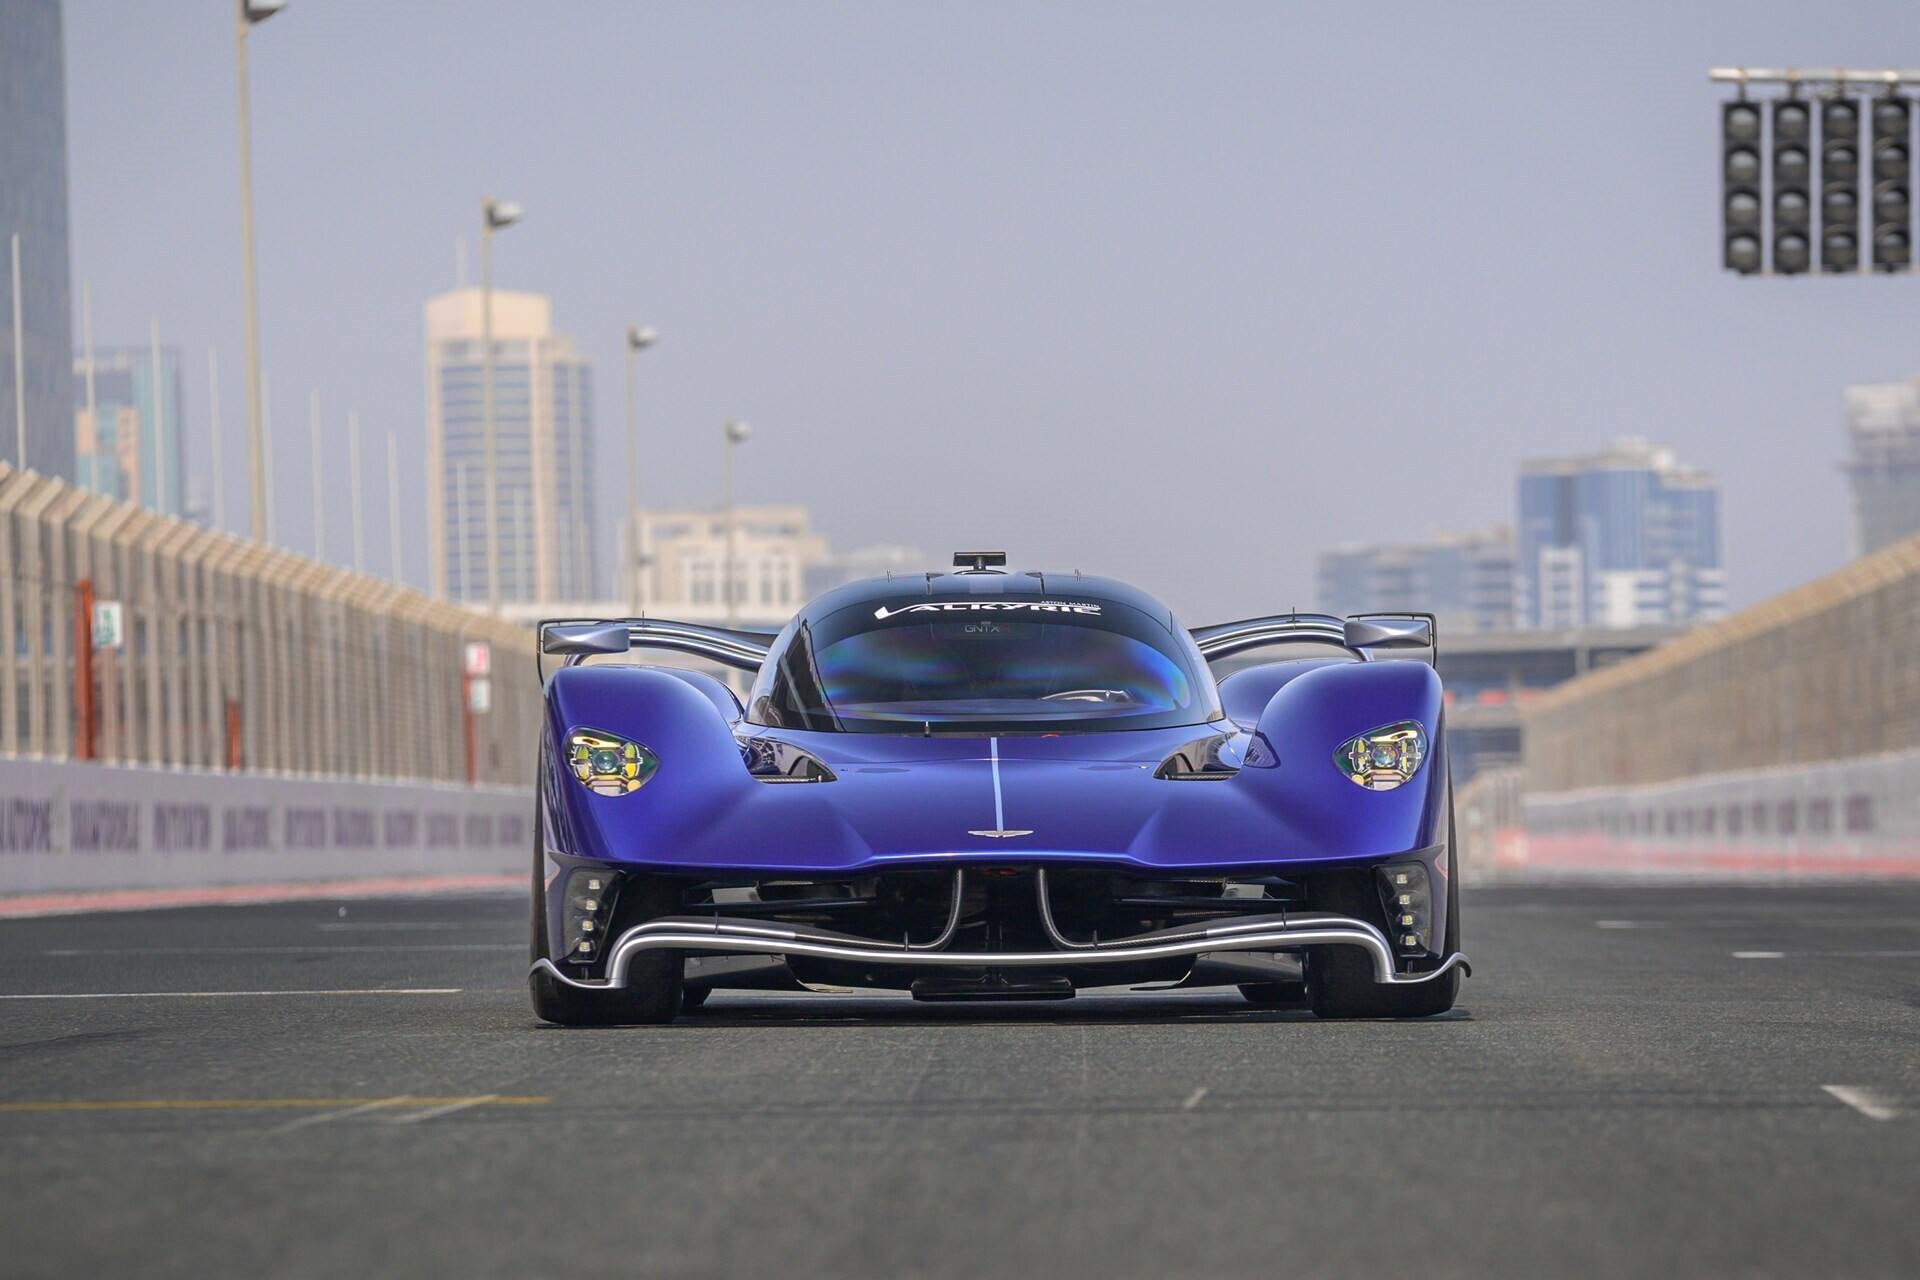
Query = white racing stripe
x=999 y=815
x=1868 y=1102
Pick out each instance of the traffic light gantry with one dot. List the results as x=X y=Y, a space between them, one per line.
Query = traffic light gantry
x=1772 y=166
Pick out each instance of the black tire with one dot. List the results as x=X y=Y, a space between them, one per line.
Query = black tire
x=653 y=993
x=1340 y=979
x=1276 y=995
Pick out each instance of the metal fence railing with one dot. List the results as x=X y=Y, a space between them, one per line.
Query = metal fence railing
x=233 y=655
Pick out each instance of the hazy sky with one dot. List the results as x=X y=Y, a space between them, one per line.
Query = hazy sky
x=1178 y=292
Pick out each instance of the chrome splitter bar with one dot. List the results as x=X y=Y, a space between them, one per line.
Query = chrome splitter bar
x=714 y=934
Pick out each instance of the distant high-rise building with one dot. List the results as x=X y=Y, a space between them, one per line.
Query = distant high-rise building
x=131 y=446
x=543 y=450
x=1464 y=579
x=33 y=206
x=1883 y=462
x=774 y=548
x=1623 y=538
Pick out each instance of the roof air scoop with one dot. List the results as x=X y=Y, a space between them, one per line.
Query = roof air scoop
x=979 y=561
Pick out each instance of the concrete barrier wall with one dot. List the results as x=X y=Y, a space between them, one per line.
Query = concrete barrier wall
x=67 y=826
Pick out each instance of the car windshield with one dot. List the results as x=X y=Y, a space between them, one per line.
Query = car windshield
x=986 y=666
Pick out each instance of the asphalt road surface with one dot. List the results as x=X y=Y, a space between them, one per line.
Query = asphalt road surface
x=1650 y=1082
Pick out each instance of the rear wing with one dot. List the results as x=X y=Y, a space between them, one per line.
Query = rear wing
x=577 y=639
x=1360 y=633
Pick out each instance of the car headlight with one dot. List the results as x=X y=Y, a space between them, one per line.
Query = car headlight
x=1385 y=757
x=609 y=766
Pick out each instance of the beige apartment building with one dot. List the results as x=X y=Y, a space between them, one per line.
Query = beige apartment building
x=685 y=557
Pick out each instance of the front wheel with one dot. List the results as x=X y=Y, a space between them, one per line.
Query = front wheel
x=1340 y=979
x=653 y=993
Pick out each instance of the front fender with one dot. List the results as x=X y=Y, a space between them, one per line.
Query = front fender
x=700 y=769
x=1291 y=770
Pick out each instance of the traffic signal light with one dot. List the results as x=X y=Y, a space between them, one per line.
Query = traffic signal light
x=1792 y=186
x=1839 y=185
x=1740 y=186
x=1892 y=120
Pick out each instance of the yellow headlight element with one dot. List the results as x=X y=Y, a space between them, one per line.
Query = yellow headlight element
x=1385 y=758
x=609 y=766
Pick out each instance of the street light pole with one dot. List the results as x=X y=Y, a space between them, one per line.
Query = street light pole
x=353 y=491
x=393 y=504
x=494 y=215
x=736 y=433
x=19 y=367
x=319 y=490
x=247 y=13
x=639 y=338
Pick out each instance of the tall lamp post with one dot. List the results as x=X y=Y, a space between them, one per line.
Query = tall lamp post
x=736 y=433
x=494 y=215
x=247 y=14
x=639 y=338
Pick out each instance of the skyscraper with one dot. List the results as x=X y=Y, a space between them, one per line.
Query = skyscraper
x=1626 y=537
x=1464 y=579
x=33 y=206
x=131 y=446
x=543 y=433
x=1883 y=462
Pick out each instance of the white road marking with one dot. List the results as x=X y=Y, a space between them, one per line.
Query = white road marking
x=220 y=995
x=1193 y=1099
x=371 y=949
x=1829 y=955
x=446 y=1110
x=1630 y=924
x=399 y=926
x=341 y=1114
x=1867 y=1102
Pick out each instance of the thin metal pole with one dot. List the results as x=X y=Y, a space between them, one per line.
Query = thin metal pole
x=19 y=368
x=159 y=418
x=259 y=521
x=219 y=447
x=580 y=587
x=93 y=404
x=460 y=558
x=630 y=523
x=490 y=461
x=319 y=502
x=521 y=570
x=353 y=491
x=266 y=450
x=393 y=503
x=1812 y=76
x=733 y=528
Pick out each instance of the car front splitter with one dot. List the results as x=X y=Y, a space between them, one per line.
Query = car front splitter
x=720 y=935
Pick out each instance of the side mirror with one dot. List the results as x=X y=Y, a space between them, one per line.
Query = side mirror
x=584 y=638
x=1389 y=633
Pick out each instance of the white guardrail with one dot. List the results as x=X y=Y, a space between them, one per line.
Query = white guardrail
x=1838 y=819
x=75 y=826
